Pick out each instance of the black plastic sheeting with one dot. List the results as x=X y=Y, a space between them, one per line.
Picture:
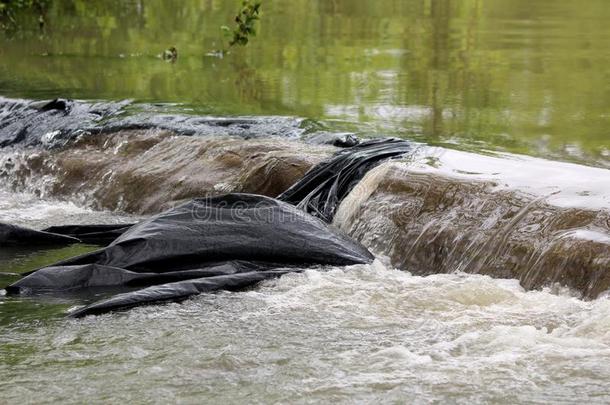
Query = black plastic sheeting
x=13 y=235
x=220 y=243
x=92 y=234
x=226 y=242
x=176 y=292
x=230 y=227
x=338 y=139
x=323 y=188
x=66 y=278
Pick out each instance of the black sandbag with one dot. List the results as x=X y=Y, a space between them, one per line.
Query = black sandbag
x=13 y=235
x=243 y=227
x=93 y=234
x=176 y=292
x=86 y=276
x=323 y=188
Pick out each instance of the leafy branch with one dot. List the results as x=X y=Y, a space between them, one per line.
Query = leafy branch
x=245 y=21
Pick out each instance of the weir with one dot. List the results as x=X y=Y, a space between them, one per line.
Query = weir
x=433 y=211
x=538 y=221
x=220 y=243
x=144 y=172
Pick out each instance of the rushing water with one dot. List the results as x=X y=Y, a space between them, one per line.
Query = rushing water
x=361 y=333
x=523 y=76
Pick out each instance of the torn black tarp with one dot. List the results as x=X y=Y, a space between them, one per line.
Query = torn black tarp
x=225 y=242
x=230 y=227
x=323 y=188
x=13 y=235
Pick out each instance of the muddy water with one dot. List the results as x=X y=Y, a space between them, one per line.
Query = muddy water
x=363 y=333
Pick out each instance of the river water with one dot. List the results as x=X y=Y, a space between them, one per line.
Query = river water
x=356 y=334
x=518 y=76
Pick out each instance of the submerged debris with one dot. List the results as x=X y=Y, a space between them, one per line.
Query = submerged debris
x=170 y=54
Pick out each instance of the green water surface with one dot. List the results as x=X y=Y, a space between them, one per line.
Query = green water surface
x=16 y=261
x=522 y=76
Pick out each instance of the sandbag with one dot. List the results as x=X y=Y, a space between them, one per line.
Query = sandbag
x=58 y=122
x=52 y=123
x=323 y=188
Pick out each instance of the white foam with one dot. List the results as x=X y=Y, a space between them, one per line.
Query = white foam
x=26 y=209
